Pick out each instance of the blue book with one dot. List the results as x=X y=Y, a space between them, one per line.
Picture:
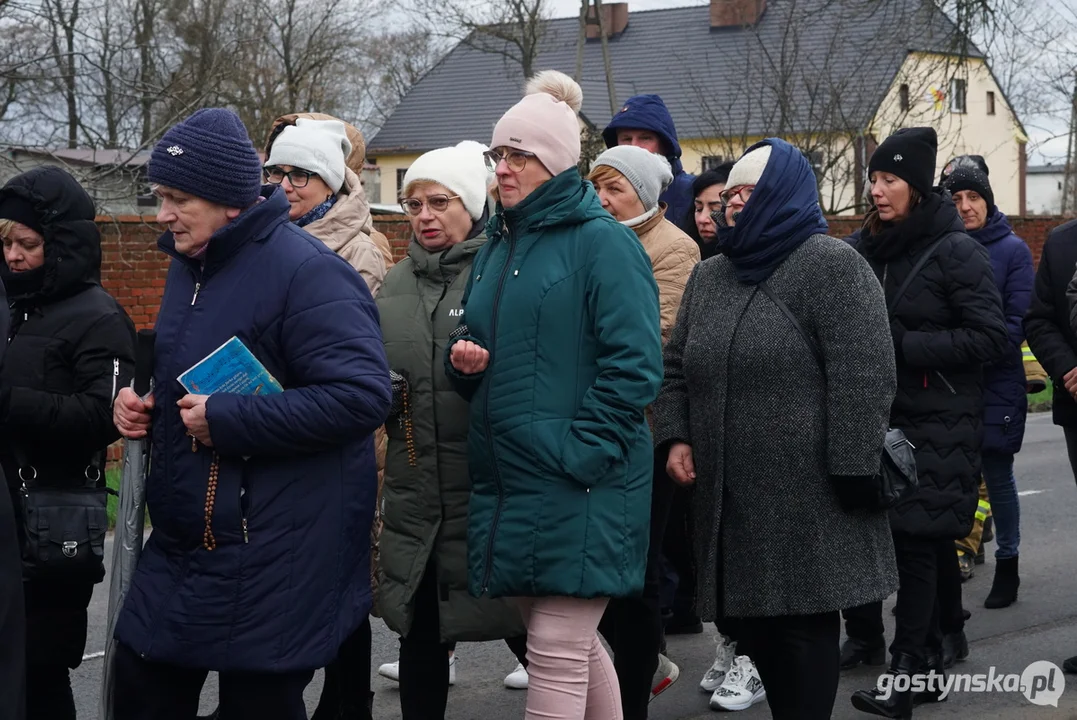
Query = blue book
x=231 y=368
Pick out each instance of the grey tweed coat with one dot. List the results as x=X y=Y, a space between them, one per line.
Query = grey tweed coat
x=745 y=391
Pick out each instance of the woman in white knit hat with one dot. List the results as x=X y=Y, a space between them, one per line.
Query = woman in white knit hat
x=327 y=200
x=559 y=351
x=422 y=589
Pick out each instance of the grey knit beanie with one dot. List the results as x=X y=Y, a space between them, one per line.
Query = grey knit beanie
x=649 y=174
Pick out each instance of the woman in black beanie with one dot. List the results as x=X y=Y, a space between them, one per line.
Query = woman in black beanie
x=947 y=323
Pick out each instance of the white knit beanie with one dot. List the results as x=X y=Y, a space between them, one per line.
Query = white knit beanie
x=648 y=173
x=749 y=168
x=318 y=146
x=460 y=168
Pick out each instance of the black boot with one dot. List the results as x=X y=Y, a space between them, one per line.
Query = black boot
x=855 y=653
x=933 y=694
x=955 y=646
x=890 y=704
x=1004 y=588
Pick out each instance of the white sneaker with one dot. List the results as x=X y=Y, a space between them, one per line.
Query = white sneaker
x=517 y=679
x=723 y=660
x=392 y=670
x=742 y=687
x=664 y=677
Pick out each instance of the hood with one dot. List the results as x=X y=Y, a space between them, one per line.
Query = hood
x=443 y=265
x=566 y=199
x=348 y=218
x=355 y=159
x=72 y=240
x=781 y=214
x=997 y=228
x=647 y=112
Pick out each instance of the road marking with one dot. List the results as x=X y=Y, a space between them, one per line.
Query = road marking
x=1030 y=492
x=94 y=656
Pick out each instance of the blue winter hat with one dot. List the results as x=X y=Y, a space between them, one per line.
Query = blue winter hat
x=645 y=112
x=209 y=155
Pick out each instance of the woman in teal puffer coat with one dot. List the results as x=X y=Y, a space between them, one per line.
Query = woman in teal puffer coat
x=560 y=353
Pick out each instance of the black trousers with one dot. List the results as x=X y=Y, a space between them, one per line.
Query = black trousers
x=346 y=691
x=158 y=691
x=424 y=659
x=797 y=657
x=12 y=616
x=678 y=550
x=633 y=626
x=56 y=621
x=1071 y=448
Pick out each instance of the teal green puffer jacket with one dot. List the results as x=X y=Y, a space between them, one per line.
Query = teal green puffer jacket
x=559 y=451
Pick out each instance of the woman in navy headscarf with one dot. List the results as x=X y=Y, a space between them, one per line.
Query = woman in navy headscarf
x=779 y=377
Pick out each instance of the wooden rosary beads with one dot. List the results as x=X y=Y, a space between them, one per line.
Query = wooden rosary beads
x=409 y=434
x=208 y=541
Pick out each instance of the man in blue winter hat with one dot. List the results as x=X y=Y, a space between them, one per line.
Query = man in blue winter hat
x=644 y=121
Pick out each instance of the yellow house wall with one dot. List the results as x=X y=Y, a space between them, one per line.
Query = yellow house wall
x=997 y=137
x=389 y=164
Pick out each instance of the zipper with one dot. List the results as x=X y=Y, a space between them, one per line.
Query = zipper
x=486 y=415
x=115 y=378
x=945 y=381
x=197 y=287
x=244 y=506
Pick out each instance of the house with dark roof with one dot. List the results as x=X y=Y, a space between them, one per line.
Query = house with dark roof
x=834 y=77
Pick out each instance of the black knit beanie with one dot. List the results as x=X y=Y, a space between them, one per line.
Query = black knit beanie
x=909 y=154
x=968 y=172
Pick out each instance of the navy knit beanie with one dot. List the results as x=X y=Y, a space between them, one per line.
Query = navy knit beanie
x=968 y=172
x=209 y=155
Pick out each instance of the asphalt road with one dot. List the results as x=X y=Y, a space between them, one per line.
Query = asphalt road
x=1042 y=625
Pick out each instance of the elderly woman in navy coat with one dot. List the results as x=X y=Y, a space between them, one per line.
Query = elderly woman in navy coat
x=258 y=566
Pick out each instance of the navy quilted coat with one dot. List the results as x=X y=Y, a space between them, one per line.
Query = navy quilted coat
x=1005 y=398
x=947 y=326
x=559 y=451
x=289 y=578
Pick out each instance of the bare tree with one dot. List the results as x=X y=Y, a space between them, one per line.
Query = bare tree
x=391 y=63
x=513 y=29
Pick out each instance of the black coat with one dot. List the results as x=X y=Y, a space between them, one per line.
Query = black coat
x=1047 y=324
x=947 y=325
x=12 y=623
x=70 y=349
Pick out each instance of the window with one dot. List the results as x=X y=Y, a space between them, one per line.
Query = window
x=710 y=162
x=957 y=96
x=903 y=93
x=990 y=103
x=815 y=157
x=400 y=173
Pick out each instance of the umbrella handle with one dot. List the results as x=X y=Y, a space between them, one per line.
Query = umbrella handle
x=144 y=361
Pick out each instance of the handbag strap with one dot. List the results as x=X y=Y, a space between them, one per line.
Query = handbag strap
x=94 y=473
x=916 y=268
x=808 y=339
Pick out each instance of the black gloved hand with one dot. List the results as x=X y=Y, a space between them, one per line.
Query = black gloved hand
x=399 y=384
x=855 y=492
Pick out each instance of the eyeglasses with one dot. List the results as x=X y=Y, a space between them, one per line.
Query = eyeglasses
x=296 y=177
x=742 y=191
x=437 y=204
x=515 y=159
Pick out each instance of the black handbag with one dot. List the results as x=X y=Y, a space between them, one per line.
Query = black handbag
x=896 y=478
x=62 y=529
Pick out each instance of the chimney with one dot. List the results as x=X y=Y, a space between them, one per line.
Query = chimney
x=614 y=17
x=736 y=13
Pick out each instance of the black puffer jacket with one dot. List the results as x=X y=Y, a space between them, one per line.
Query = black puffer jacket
x=70 y=345
x=946 y=326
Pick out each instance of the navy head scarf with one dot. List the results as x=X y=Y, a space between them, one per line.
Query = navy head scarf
x=781 y=214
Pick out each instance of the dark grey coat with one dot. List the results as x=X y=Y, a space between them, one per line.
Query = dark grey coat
x=742 y=387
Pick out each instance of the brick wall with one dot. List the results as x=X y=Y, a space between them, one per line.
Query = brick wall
x=133 y=269
x=1032 y=229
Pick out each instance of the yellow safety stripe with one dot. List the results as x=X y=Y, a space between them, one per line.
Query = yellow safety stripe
x=983 y=509
x=1026 y=355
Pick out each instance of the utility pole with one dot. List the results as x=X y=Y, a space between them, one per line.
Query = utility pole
x=606 y=57
x=1069 y=181
x=581 y=39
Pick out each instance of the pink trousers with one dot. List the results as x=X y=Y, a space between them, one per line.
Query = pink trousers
x=570 y=675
